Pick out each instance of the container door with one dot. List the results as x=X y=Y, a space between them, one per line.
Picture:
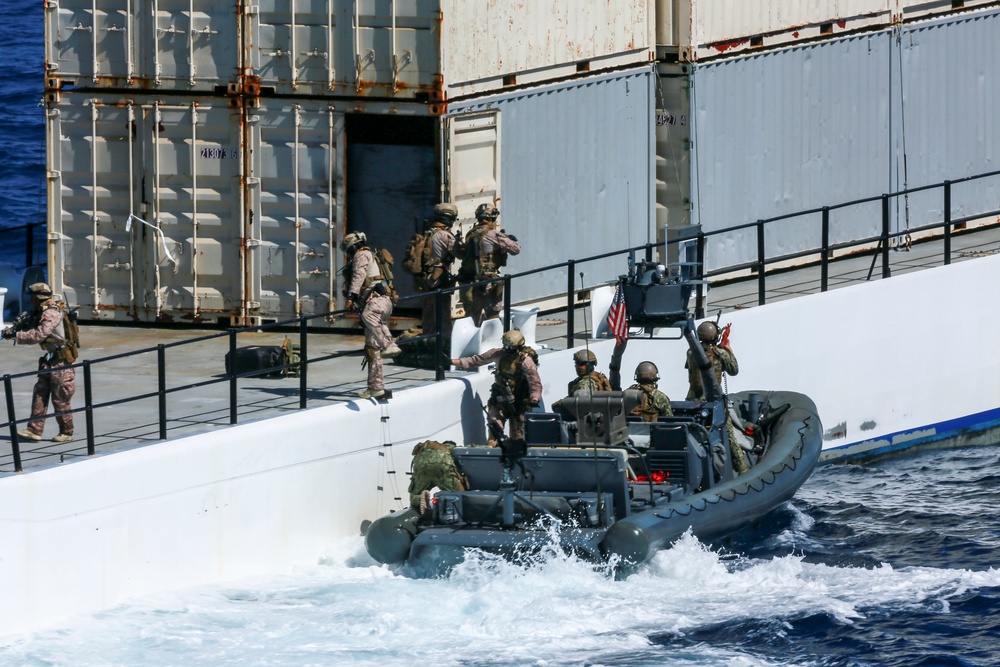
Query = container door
x=289 y=45
x=193 y=44
x=88 y=43
x=393 y=181
x=193 y=233
x=473 y=163
x=295 y=197
x=92 y=155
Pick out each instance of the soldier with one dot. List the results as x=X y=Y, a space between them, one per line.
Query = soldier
x=517 y=388
x=655 y=403
x=433 y=465
x=367 y=290
x=47 y=326
x=720 y=355
x=443 y=247
x=486 y=251
x=587 y=378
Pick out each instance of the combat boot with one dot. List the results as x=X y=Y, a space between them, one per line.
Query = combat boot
x=371 y=393
x=63 y=437
x=27 y=434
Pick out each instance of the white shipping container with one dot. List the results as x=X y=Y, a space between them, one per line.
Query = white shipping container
x=697 y=30
x=427 y=51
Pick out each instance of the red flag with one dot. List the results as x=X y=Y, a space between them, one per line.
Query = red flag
x=617 y=317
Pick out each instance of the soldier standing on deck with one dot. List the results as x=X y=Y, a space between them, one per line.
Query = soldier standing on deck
x=517 y=388
x=47 y=325
x=366 y=289
x=442 y=248
x=486 y=251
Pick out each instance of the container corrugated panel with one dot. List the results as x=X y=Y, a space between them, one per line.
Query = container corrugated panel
x=702 y=29
x=842 y=120
x=576 y=173
x=185 y=45
x=145 y=210
x=485 y=46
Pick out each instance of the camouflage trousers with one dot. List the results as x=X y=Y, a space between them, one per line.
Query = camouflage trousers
x=497 y=415
x=375 y=318
x=59 y=384
x=482 y=303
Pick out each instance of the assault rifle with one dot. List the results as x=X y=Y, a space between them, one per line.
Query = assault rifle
x=22 y=322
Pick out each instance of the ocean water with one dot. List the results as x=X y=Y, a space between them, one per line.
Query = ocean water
x=22 y=123
x=887 y=564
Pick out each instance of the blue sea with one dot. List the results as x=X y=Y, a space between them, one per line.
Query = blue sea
x=886 y=564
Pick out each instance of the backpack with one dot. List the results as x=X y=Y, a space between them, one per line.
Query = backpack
x=385 y=262
x=417 y=251
x=72 y=330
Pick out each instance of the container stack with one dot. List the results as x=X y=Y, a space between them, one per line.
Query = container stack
x=205 y=158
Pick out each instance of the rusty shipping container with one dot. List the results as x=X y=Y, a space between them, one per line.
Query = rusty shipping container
x=176 y=208
x=400 y=49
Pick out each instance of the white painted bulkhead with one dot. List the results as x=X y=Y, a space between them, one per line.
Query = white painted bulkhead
x=883 y=362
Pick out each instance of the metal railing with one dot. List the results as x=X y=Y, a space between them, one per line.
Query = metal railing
x=442 y=299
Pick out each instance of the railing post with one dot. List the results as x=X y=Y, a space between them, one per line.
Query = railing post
x=15 y=444
x=161 y=391
x=439 y=335
x=699 y=273
x=947 y=222
x=886 y=273
x=88 y=399
x=570 y=303
x=232 y=376
x=303 y=355
x=824 y=275
x=506 y=303
x=761 y=282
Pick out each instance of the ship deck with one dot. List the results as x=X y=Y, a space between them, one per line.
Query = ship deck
x=119 y=424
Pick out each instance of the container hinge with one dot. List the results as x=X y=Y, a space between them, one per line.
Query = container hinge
x=53 y=175
x=253 y=305
x=253 y=243
x=51 y=4
x=253 y=182
x=250 y=10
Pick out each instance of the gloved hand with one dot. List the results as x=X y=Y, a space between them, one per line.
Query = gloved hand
x=512 y=238
x=8 y=333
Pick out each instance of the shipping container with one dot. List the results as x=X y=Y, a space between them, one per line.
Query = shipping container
x=759 y=136
x=698 y=30
x=204 y=209
x=427 y=51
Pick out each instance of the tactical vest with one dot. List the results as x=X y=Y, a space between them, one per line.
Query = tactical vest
x=476 y=262
x=64 y=341
x=595 y=380
x=511 y=386
x=648 y=409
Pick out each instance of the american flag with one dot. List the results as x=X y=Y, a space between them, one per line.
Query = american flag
x=617 y=317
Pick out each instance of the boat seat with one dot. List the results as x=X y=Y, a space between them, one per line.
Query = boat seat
x=545 y=428
x=552 y=470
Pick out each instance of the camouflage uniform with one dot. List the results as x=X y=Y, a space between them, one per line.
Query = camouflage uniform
x=516 y=389
x=655 y=403
x=593 y=381
x=433 y=465
x=723 y=361
x=486 y=250
x=437 y=272
x=375 y=311
x=59 y=383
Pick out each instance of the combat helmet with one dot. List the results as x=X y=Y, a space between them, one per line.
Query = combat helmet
x=584 y=358
x=708 y=332
x=646 y=372
x=487 y=213
x=513 y=340
x=446 y=212
x=352 y=241
x=40 y=290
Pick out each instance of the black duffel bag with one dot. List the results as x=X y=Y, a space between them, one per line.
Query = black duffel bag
x=260 y=360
